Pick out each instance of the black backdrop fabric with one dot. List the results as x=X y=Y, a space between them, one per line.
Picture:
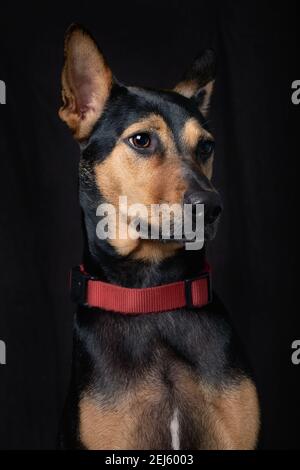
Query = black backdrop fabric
x=253 y=257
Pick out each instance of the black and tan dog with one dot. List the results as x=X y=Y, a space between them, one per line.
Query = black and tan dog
x=169 y=380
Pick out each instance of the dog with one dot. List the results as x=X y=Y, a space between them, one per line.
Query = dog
x=153 y=368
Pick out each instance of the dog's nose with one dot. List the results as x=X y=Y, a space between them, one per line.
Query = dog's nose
x=210 y=199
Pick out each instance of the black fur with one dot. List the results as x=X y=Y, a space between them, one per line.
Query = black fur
x=112 y=351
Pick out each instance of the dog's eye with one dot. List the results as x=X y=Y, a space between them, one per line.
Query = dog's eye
x=205 y=148
x=140 y=141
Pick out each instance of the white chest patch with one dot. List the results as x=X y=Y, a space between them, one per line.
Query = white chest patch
x=174 y=429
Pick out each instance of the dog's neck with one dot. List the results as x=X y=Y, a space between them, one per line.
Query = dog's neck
x=102 y=261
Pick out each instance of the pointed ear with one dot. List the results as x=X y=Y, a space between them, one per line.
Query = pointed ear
x=198 y=81
x=86 y=82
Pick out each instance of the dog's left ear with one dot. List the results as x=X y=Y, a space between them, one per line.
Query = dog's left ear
x=86 y=82
x=198 y=81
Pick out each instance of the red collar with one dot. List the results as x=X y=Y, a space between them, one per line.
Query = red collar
x=90 y=291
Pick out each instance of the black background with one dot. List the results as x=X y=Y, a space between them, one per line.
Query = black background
x=254 y=254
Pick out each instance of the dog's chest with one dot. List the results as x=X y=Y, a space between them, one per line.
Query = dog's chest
x=152 y=412
x=158 y=384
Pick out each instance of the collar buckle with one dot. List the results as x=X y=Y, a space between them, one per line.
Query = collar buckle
x=78 y=286
x=188 y=289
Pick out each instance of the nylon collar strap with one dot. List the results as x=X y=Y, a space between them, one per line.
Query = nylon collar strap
x=90 y=291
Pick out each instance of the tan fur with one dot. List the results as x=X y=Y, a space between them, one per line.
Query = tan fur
x=238 y=417
x=229 y=416
x=188 y=88
x=191 y=133
x=207 y=167
x=115 y=426
x=155 y=251
x=86 y=84
x=104 y=429
x=206 y=100
x=224 y=419
x=143 y=180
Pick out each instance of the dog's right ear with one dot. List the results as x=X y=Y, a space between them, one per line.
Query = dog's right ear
x=198 y=82
x=86 y=82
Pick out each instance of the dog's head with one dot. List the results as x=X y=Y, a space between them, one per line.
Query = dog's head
x=152 y=146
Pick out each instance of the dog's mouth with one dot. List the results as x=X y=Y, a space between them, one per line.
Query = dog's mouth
x=184 y=227
x=148 y=231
